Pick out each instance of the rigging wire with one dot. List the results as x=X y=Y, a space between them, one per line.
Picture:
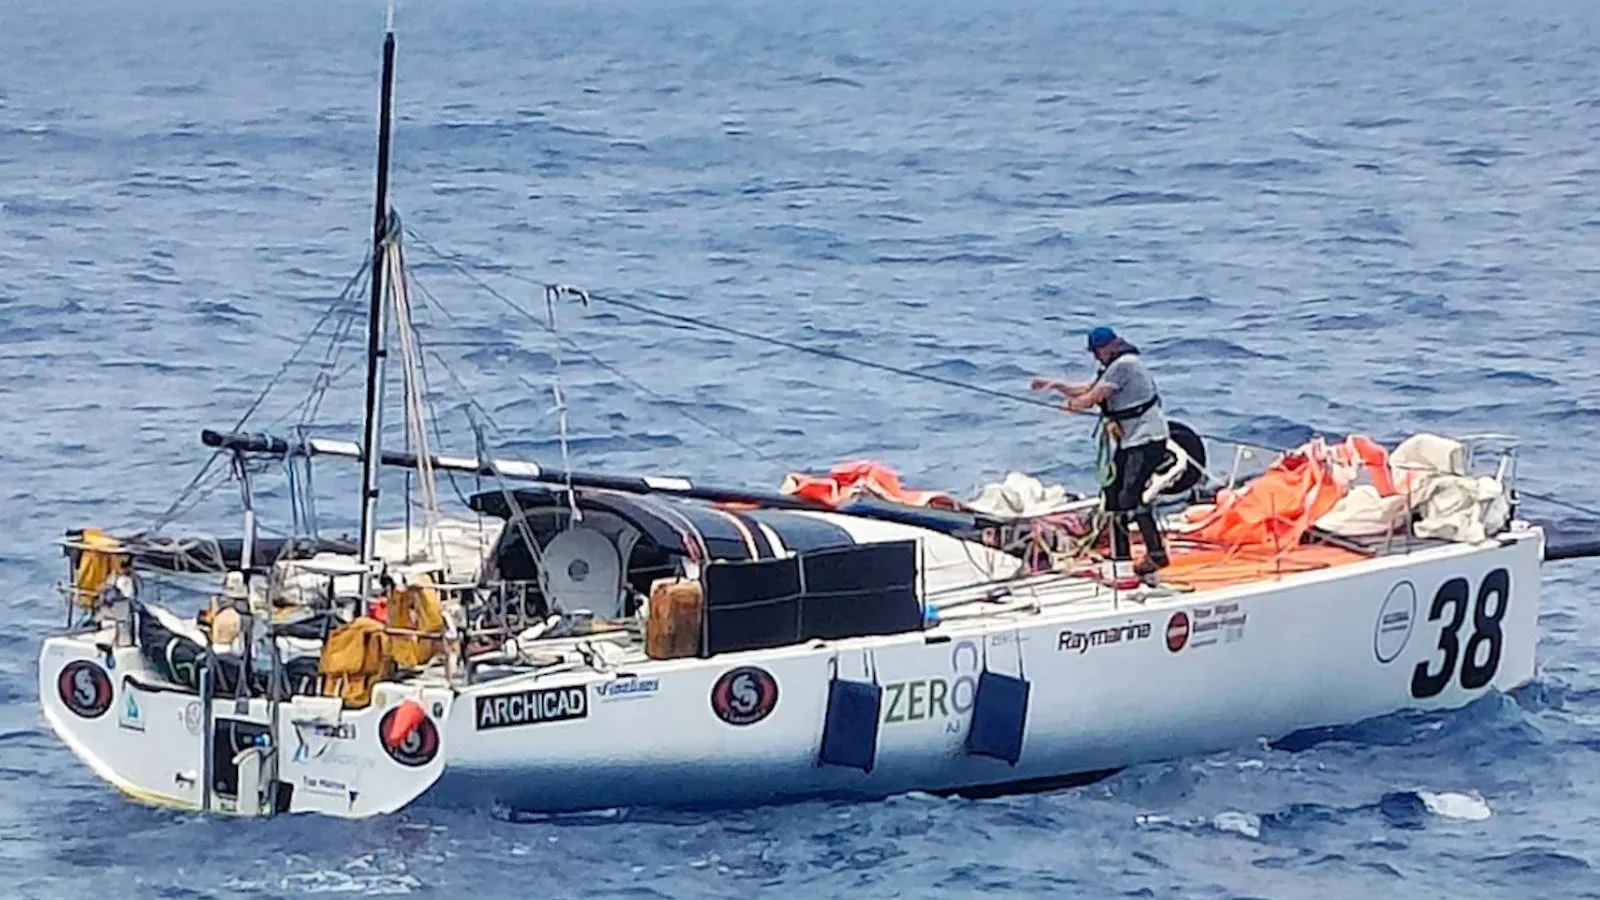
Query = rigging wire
x=430 y=302
x=330 y=361
x=866 y=363
x=194 y=493
x=590 y=355
x=343 y=297
x=470 y=403
x=1586 y=510
x=646 y=309
x=780 y=342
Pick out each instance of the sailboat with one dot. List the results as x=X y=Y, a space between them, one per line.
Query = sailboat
x=622 y=641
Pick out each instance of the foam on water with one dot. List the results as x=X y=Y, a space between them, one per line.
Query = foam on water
x=1451 y=805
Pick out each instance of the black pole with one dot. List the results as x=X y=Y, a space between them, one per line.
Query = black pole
x=631 y=484
x=1571 y=549
x=375 y=319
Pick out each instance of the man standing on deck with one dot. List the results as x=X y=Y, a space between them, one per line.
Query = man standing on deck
x=1125 y=391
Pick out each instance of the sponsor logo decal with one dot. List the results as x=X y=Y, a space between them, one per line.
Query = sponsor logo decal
x=946 y=699
x=928 y=698
x=744 y=696
x=532 y=707
x=333 y=758
x=1081 y=641
x=1202 y=626
x=1221 y=623
x=417 y=748
x=328 y=732
x=626 y=689
x=128 y=715
x=316 y=784
x=1177 y=631
x=1396 y=618
x=339 y=731
x=85 y=689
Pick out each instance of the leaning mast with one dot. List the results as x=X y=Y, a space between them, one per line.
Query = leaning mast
x=376 y=351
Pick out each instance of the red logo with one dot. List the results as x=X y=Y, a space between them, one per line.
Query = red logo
x=744 y=696
x=417 y=747
x=1177 y=631
x=85 y=688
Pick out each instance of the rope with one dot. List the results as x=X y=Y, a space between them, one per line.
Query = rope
x=416 y=422
x=431 y=302
x=776 y=342
x=587 y=354
x=816 y=351
x=663 y=398
x=865 y=363
x=1105 y=460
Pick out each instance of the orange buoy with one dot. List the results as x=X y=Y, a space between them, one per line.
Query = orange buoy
x=407 y=716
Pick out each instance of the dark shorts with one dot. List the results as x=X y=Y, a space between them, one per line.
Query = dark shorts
x=1133 y=467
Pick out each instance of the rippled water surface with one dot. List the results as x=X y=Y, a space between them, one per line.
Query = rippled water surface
x=1312 y=214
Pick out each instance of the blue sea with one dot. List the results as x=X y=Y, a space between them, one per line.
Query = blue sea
x=1313 y=216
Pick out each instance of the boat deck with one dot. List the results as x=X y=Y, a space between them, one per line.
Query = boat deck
x=1068 y=596
x=1194 y=570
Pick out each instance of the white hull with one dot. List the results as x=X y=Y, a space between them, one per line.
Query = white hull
x=907 y=607
x=152 y=750
x=1320 y=648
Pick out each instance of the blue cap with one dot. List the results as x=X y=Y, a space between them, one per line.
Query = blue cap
x=1101 y=335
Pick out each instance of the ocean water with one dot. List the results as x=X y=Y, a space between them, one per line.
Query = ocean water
x=1313 y=215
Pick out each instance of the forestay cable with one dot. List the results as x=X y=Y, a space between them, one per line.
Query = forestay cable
x=590 y=355
x=780 y=342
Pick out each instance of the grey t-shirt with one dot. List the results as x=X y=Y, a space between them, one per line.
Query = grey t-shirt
x=1132 y=385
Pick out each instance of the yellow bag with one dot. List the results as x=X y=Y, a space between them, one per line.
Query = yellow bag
x=98 y=563
x=353 y=658
x=416 y=608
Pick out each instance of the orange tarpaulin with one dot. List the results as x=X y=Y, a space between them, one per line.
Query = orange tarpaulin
x=848 y=480
x=1211 y=568
x=1280 y=505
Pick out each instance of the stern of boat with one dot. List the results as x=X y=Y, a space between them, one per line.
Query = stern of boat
x=166 y=745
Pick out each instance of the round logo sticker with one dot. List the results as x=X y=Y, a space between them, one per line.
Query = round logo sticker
x=1177 y=631
x=191 y=717
x=418 y=748
x=85 y=688
x=1395 y=619
x=744 y=696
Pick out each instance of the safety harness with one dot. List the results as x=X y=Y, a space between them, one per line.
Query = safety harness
x=1131 y=412
x=1105 y=462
